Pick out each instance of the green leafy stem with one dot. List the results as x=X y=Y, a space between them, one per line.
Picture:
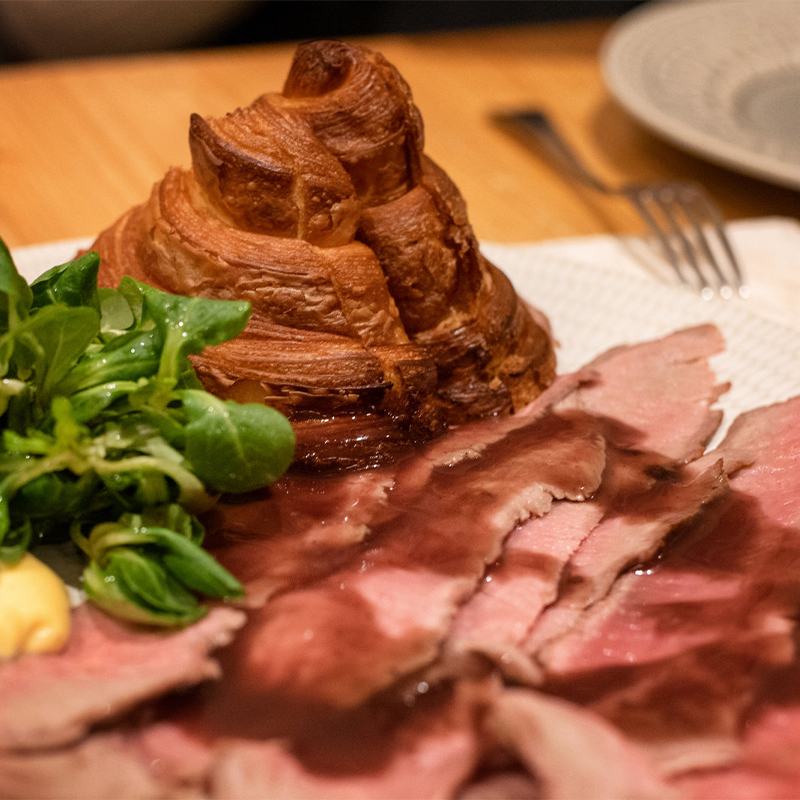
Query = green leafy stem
x=108 y=437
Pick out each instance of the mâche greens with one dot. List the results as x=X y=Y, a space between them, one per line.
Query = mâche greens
x=109 y=438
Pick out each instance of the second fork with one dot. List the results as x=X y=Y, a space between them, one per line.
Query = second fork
x=679 y=214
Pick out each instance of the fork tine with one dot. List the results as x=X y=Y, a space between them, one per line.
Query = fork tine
x=668 y=197
x=693 y=201
x=712 y=214
x=634 y=195
x=682 y=196
x=697 y=211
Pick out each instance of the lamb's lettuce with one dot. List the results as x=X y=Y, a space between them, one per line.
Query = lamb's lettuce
x=107 y=436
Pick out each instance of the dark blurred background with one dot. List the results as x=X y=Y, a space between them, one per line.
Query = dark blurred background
x=57 y=29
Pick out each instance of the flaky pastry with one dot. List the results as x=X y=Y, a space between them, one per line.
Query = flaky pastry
x=376 y=320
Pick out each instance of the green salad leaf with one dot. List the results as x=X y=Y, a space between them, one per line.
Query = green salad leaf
x=222 y=440
x=107 y=437
x=72 y=284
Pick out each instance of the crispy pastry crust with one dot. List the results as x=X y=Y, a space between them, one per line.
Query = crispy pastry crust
x=376 y=321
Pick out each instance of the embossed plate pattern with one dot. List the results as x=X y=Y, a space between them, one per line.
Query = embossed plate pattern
x=718 y=77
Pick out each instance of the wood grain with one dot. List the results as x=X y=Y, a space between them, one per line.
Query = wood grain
x=82 y=141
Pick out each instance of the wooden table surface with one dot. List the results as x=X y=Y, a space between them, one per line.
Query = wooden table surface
x=82 y=141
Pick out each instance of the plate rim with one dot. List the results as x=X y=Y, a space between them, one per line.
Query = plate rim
x=674 y=129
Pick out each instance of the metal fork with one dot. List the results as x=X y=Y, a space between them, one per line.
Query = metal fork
x=679 y=214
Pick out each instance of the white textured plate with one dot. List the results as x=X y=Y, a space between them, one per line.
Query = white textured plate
x=718 y=77
x=592 y=309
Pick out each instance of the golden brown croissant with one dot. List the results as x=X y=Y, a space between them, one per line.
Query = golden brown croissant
x=376 y=320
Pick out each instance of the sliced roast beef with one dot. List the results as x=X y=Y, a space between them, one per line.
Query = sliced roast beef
x=469 y=441
x=767 y=765
x=298 y=531
x=739 y=783
x=497 y=619
x=681 y=649
x=502 y=784
x=367 y=579
x=657 y=396
x=90 y=770
x=655 y=402
x=104 y=670
x=148 y=762
x=572 y=752
x=306 y=526
x=639 y=513
x=388 y=749
x=385 y=612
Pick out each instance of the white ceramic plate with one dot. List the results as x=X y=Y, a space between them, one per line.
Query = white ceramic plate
x=718 y=77
x=592 y=309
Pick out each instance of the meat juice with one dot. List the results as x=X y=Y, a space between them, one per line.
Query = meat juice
x=425 y=541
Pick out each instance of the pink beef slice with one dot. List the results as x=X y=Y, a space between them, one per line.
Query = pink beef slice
x=656 y=401
x=306 y=526
x=470 y=440
x=638 y=515
x=767 y=766
x=386 y=748
x=572 y=752
x=389 y=748
x=105 y=669
x=681 y=650
x=496 y=620
x=155 y=762
x=384 y=613
x=657 y=396
x=635 y=390
x=298 y=531
x=508 y=783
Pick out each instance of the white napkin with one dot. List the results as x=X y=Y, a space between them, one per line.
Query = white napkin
x=768 y=249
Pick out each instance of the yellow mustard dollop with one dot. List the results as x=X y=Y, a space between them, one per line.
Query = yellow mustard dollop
x=34 y=608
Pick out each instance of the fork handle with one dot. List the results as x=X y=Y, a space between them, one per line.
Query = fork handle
x=538 y=125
